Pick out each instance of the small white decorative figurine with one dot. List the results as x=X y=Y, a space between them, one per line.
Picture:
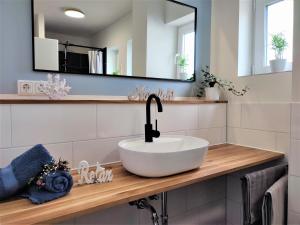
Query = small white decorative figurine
x=54 y=87
x=101 y=175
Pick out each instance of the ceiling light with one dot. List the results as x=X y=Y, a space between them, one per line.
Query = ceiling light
x=74 y=13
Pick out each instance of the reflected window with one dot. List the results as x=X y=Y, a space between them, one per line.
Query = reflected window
x=186 y=48
x=129 y=58
x=113 y=66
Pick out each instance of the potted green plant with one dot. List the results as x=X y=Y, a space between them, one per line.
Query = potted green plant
x=182 y=63
x=279 y=45
x=211 y=84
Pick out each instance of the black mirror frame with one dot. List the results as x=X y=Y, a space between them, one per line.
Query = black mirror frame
x=116 y=76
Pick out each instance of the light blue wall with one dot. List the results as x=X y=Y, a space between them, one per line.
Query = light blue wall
x=16 y=55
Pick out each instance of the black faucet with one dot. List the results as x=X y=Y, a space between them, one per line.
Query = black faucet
x=149 y=132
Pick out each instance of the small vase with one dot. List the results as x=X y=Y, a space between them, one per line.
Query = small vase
x=212 y=93
x=278 y=65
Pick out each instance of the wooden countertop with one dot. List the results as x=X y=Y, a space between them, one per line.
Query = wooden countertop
x=93 y=99
x=127 y=187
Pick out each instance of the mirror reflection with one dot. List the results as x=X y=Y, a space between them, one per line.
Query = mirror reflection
x=137 y=38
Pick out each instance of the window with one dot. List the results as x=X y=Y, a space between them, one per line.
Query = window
x=280 y=20
x=259 y=20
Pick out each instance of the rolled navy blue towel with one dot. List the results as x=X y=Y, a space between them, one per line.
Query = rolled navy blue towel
x=57 y=184
x=15 y=176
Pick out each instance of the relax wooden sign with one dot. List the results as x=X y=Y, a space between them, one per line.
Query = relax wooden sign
x=101 y=175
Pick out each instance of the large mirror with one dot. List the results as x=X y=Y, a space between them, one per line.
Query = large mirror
x=131 y=38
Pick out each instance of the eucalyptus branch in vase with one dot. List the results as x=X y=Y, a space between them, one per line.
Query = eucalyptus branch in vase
x=210 y=81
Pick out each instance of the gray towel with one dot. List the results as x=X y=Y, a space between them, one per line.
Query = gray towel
x=274 y=210
x=254 y=186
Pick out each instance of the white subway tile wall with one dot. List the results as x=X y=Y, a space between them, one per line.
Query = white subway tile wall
x=293 y=218
x=120 y=120
x=294 y=158
x=294 y=187
x=212 y=115
x=213 y=135
x=266 y=116
x=178 y=117
x=296 y=121
x=44 y=123
x=294 y=171
x=5 y=126
x=283 y=142
x=100 y=150
x=61 y=150
x=261 y=125
x=91 y=132
x=252 y=138
x=234 y=111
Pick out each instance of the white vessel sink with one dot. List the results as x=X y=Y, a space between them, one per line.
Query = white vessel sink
x=164 y=156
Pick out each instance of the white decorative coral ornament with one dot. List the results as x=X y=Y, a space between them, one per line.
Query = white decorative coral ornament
x=54 y=87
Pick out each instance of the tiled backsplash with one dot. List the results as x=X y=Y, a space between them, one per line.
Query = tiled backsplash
x=260 y=125
x=92 y=131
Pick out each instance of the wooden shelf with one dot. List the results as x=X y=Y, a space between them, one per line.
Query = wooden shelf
x=127 y=187
x=93 y=99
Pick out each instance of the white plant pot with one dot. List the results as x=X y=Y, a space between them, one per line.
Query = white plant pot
x=278 y=65
x=212 y=93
